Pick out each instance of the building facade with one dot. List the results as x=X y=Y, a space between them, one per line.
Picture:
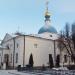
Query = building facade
x=16 y=49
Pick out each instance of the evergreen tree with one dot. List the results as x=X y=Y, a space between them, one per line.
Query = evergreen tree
x=31 y=62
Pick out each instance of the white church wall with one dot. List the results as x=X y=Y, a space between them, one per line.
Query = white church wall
x=41 y=52
x=7 y=37
x=0 y=56
x=39 y=47
x=18 y=41
x=19 y=47
x=48 y=35
x=56 y=48
x=9 y=43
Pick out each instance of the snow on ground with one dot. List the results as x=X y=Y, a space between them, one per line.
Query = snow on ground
x=15 y=72
x=12 y=72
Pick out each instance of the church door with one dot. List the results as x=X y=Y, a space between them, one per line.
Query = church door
x=50 y=61
x=6 y=60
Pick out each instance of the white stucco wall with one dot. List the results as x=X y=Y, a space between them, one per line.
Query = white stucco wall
x=48 y=35
x=20 y=41
x=41 y=53
x=0 y=56
x=8 y=51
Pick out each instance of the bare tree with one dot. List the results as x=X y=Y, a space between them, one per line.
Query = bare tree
x=66 y=41
x=73 y=34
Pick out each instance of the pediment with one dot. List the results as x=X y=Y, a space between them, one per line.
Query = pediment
x=7 y=37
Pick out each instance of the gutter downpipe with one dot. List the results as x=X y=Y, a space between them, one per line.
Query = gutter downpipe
x=24 y=52
x=54 y=54
x=13 y=51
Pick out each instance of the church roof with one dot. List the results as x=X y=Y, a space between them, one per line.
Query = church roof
x=47 y=29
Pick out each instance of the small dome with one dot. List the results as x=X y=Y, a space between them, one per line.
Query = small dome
x=47 y=14
x=47 y=29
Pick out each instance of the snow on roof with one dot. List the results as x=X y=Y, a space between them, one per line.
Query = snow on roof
x=42 y=36
x=1 y=47
x=46 y=36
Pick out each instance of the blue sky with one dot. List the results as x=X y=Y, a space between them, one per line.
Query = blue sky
x=28 y=15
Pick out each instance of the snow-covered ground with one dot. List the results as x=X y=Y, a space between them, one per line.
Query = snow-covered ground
x=15 y=72
x=12 y=72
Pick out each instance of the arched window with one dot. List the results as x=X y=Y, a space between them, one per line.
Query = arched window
x=16 y=57
x=65 y=58
x=58 y=61
x=51 y=61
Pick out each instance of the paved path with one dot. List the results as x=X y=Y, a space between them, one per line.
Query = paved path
x=12 y=72
x=15 y=72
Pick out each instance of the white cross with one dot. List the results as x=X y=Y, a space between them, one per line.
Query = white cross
x=47 y=2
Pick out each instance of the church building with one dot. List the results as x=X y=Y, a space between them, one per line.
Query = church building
x=17 y=48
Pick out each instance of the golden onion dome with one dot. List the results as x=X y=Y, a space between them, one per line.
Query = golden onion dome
x=47 y=14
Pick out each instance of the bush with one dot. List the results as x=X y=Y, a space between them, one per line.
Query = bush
x=19 y=68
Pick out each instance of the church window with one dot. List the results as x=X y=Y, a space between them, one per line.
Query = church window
x=65 y=58
x=16 y=57
x=11 y=58
x=50 y=61
x=35 y=45
x=7 y=47
x=50 y=35
x=17 y=45
x=72 y=58
x=6 y=58
x=10 y=45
